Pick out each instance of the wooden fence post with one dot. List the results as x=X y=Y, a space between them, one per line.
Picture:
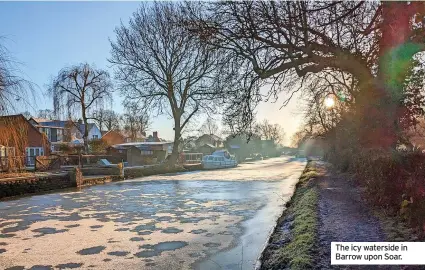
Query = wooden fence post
x=76 y=176
x=121 y=169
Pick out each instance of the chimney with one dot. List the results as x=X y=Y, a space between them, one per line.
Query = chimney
x=155 y=134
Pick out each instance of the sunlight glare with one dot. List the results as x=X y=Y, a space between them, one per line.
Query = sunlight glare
x=329 y=102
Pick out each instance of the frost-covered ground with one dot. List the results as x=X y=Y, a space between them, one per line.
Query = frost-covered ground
x=175 y=221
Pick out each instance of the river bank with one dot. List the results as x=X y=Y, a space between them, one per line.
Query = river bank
x=328 y=206
x=293 y=242
x=24 y=184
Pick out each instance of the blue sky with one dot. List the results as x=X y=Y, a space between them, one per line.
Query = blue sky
x=47 y=36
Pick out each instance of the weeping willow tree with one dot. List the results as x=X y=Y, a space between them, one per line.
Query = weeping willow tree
x=15 y=91
x=80 y=88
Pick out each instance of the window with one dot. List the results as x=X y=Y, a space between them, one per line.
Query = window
x=95 y=137
x=60 y=135
x=210 y=158
x=31 y=153
x=7 y=151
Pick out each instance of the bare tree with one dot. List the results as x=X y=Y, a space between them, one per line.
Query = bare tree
x=268 y=131
x=300 y=137
x=338 y=87
x=15 y=91
x=161 y=65
x=106 y=119
x=80 y=87
x=46 y=114
x=135 y=121
x=26 y=114
x=209 y=127
x=286 y=43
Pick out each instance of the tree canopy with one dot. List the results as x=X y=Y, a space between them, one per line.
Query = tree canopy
x=360 y=50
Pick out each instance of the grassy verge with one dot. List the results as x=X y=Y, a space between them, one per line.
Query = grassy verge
x=293 y=244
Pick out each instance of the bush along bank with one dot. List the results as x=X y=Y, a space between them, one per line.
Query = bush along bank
x=293 y=244
x=394 y=184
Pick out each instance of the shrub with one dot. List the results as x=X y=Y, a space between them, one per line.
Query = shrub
x=64 y=148
x=98 y=146
x=388 y=176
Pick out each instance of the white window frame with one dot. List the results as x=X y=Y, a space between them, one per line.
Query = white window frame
x=38 y=151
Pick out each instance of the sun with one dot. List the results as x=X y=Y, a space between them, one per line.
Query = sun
x=329 y=102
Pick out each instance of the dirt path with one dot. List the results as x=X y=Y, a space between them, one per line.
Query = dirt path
x=343 y=216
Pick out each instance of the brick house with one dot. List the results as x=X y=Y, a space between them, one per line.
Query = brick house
x=113 y=137
x=21 y=140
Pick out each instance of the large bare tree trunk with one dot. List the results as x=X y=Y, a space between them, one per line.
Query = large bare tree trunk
x=86 y=131
x=177 y=133
x=379 y=103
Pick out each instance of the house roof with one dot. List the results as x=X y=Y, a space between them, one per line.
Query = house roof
x=127 y=134
x=212 y=137
x=142 y=143
x=16 y=117
x=39 y=120
x=209 y=145
x=52 y=123
x=43 y=126
x=61 y=123
x=104 y=133
x=123 y=133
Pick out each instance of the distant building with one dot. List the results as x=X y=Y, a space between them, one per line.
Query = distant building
x=154 y=138
x=65 y=131
x=141 y=153
x=189 y=144
x=133 y=137
x=210 y=139
x=21 y=140
x=55 y=130
x=113 y=137
x=93 y=131
x=206 y=149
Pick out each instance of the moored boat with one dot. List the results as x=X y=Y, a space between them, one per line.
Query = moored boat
x=218 y=160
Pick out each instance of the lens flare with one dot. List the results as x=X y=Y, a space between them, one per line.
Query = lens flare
x=329 y=102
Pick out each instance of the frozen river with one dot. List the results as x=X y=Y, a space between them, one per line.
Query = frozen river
x=198 y=220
